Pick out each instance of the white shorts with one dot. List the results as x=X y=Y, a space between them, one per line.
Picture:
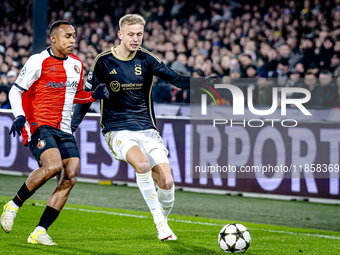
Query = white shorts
x=149 y=141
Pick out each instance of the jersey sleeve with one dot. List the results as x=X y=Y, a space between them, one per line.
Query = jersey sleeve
x=81 y=82
x=83 y=97
x=29 y=73
x=168 y=75
x=94 y=76
x=93 y=80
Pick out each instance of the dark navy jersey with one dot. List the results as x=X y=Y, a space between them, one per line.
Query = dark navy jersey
x=130 y=106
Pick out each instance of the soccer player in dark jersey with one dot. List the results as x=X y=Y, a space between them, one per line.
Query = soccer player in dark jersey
x=128 y=118
x=42 y=99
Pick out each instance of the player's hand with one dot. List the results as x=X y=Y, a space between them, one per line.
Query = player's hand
x=101 y=92
x=212 y=80
x=197 y=82
x=18 y=125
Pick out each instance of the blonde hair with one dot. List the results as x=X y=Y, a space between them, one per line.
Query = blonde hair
x=131 y=19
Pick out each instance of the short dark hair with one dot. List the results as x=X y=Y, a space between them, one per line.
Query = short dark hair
x=57 y=24
x=326 y=72
x=198 y=71
x=311 y=73
x=283 y=61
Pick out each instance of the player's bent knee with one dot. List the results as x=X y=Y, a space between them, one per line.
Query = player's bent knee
x=72 y=181
x=167 y=183
x=70 y=178
x=53 y=169
x=143 y=167
x=68 y=183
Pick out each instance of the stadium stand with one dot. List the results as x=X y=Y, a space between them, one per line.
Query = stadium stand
x=236 y=39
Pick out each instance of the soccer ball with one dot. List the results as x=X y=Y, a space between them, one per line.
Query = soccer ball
x=234 y=238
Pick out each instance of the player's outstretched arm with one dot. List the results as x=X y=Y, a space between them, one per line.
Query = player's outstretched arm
x=82 y=107
x=78 y=115
x=83 y=97
x=181 y=81
x=187 y=82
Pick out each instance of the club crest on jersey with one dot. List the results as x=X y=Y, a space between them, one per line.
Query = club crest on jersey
x=138 y=69
x=41 y=144
x=115 y=86
x=77 y=69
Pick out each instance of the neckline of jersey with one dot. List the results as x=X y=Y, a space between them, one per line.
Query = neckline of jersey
x=49 y=52
x=120 y=58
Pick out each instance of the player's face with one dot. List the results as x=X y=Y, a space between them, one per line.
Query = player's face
x=63 y=39
x=131 y=36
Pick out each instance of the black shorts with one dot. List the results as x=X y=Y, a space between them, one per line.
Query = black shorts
x=46 y=137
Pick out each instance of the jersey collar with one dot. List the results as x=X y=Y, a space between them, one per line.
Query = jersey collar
x=120 y=58
x=51 y=54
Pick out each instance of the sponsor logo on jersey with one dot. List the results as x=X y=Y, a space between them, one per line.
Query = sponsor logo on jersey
x=115 y=86
x=51 y=69
x=138 y=69
x=88 y=86
x=23 y=71
x=113 y=71
x=90 y=75
x=53 y=84
x=118 y=143
x=41 y=144
x=131 y=86
x=77 y=69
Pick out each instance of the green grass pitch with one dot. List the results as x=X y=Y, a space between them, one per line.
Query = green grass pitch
x=100 y=228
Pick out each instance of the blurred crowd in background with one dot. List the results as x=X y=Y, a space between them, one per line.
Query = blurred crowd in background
x=281 y=42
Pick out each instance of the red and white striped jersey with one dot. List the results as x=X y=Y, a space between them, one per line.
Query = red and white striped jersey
x=51 y=87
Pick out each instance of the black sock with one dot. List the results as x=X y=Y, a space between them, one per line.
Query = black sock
x=22 y=195
x=48 y=217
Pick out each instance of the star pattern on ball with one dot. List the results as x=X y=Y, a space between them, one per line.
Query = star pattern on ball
x=238 y=234
x=232 y=248
x=223 y=235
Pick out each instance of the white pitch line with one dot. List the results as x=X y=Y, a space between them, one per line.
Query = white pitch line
x=105 y=212
x=305 y=234
x=269 y=230
x=193 y=222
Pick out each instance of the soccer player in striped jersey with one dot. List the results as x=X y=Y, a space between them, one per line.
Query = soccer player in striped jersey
x=128 y=118
x=42 y=99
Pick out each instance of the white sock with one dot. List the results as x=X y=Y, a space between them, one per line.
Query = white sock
x=39 y=228
x=13 y=205
x=147 y=188
x=166 y=199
